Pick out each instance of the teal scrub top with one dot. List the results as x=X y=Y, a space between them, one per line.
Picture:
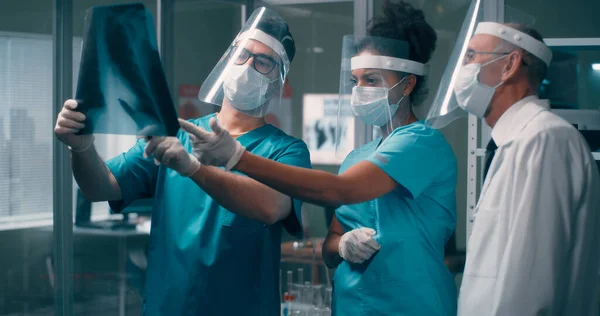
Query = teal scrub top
x=202 y=258
x=407 y=276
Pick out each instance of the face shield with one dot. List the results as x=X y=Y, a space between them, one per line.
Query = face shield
x=250 y=75
x=121 y=87
x=374 y=90
x=476 y=64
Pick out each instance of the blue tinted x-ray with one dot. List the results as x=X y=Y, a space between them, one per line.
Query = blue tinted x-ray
x=122 y=87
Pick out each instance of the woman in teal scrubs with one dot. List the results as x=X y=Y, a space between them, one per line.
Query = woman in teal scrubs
x=395 y=196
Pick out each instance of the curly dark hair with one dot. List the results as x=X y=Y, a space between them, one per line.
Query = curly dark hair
x=402 y=22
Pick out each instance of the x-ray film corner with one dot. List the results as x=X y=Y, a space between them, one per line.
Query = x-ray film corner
x=320 y=117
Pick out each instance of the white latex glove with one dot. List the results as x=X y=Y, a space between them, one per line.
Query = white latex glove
x=169 y=152
x=70 y=122
x=358 y=245
x=217 y=148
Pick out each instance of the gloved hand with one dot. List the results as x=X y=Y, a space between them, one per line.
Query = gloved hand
x=358 y=245
x=169 y=152
x=70 y=122
x=217 y=148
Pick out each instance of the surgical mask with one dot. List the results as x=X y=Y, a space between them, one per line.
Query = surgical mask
x=245 y=88
x=472 y=95
x=371 y=104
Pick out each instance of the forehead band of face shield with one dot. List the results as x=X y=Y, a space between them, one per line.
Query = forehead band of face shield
x=388 y=63
x=518 y=38
x=268 y=40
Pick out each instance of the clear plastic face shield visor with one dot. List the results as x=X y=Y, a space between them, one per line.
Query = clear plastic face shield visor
x=374 y=82
x=475 y=67
x=250 y=75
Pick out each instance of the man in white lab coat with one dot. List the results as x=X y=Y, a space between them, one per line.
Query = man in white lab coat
x=534 y=248
x=535 y=244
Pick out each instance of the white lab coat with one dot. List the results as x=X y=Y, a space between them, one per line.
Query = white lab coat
x=535 y=243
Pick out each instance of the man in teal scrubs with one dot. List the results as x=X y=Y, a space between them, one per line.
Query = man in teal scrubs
x=215 y=240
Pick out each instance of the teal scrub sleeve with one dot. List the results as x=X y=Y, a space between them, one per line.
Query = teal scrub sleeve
x=297 y=155
x=135 y=174
x=412 y=160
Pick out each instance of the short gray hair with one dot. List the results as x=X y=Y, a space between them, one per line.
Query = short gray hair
x=537 y=69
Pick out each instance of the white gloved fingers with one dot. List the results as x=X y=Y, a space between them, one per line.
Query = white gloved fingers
x=200 y=133
x=65 y=130
x=359 y=254
x=216 y=148
x=68 y=123
x=358 y=245
x=216 y=127
x=70 y=104
x=372 y=244
x=63 y=121
x=72 y=115
x=348 y=246
x=168 y=157
x=350 y=252
x=193 y=166
x=151 y=146
x=366 y=238
x=160 y=149
x=360 y=257
x=171 y=154
x=69 y=118
x=369 y=231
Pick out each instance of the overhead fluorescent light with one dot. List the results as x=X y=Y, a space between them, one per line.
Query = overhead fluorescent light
x=596 y=67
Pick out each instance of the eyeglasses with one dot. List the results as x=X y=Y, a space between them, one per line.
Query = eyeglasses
x=471 y=54
x=262 y=63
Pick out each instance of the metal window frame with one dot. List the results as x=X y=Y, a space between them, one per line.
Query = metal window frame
x=61 y=170
x=363 y=12
x=581 y=43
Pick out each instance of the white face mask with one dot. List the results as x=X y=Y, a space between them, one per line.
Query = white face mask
x=371 y=104
x=245 y=88
x=472 y=95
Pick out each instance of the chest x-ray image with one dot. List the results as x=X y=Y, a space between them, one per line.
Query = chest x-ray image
x=121 y=86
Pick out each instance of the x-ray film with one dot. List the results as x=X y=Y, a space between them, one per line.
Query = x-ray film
x=121 y=86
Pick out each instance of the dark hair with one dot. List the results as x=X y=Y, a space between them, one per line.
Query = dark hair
x=276 y=27
x=402 y=22
x=537 y=69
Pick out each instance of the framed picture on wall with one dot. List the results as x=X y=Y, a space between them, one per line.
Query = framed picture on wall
x=320 y=130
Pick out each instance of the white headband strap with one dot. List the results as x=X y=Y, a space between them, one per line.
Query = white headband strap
x=268 y=40
x=388 y=63
x=522 y=40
